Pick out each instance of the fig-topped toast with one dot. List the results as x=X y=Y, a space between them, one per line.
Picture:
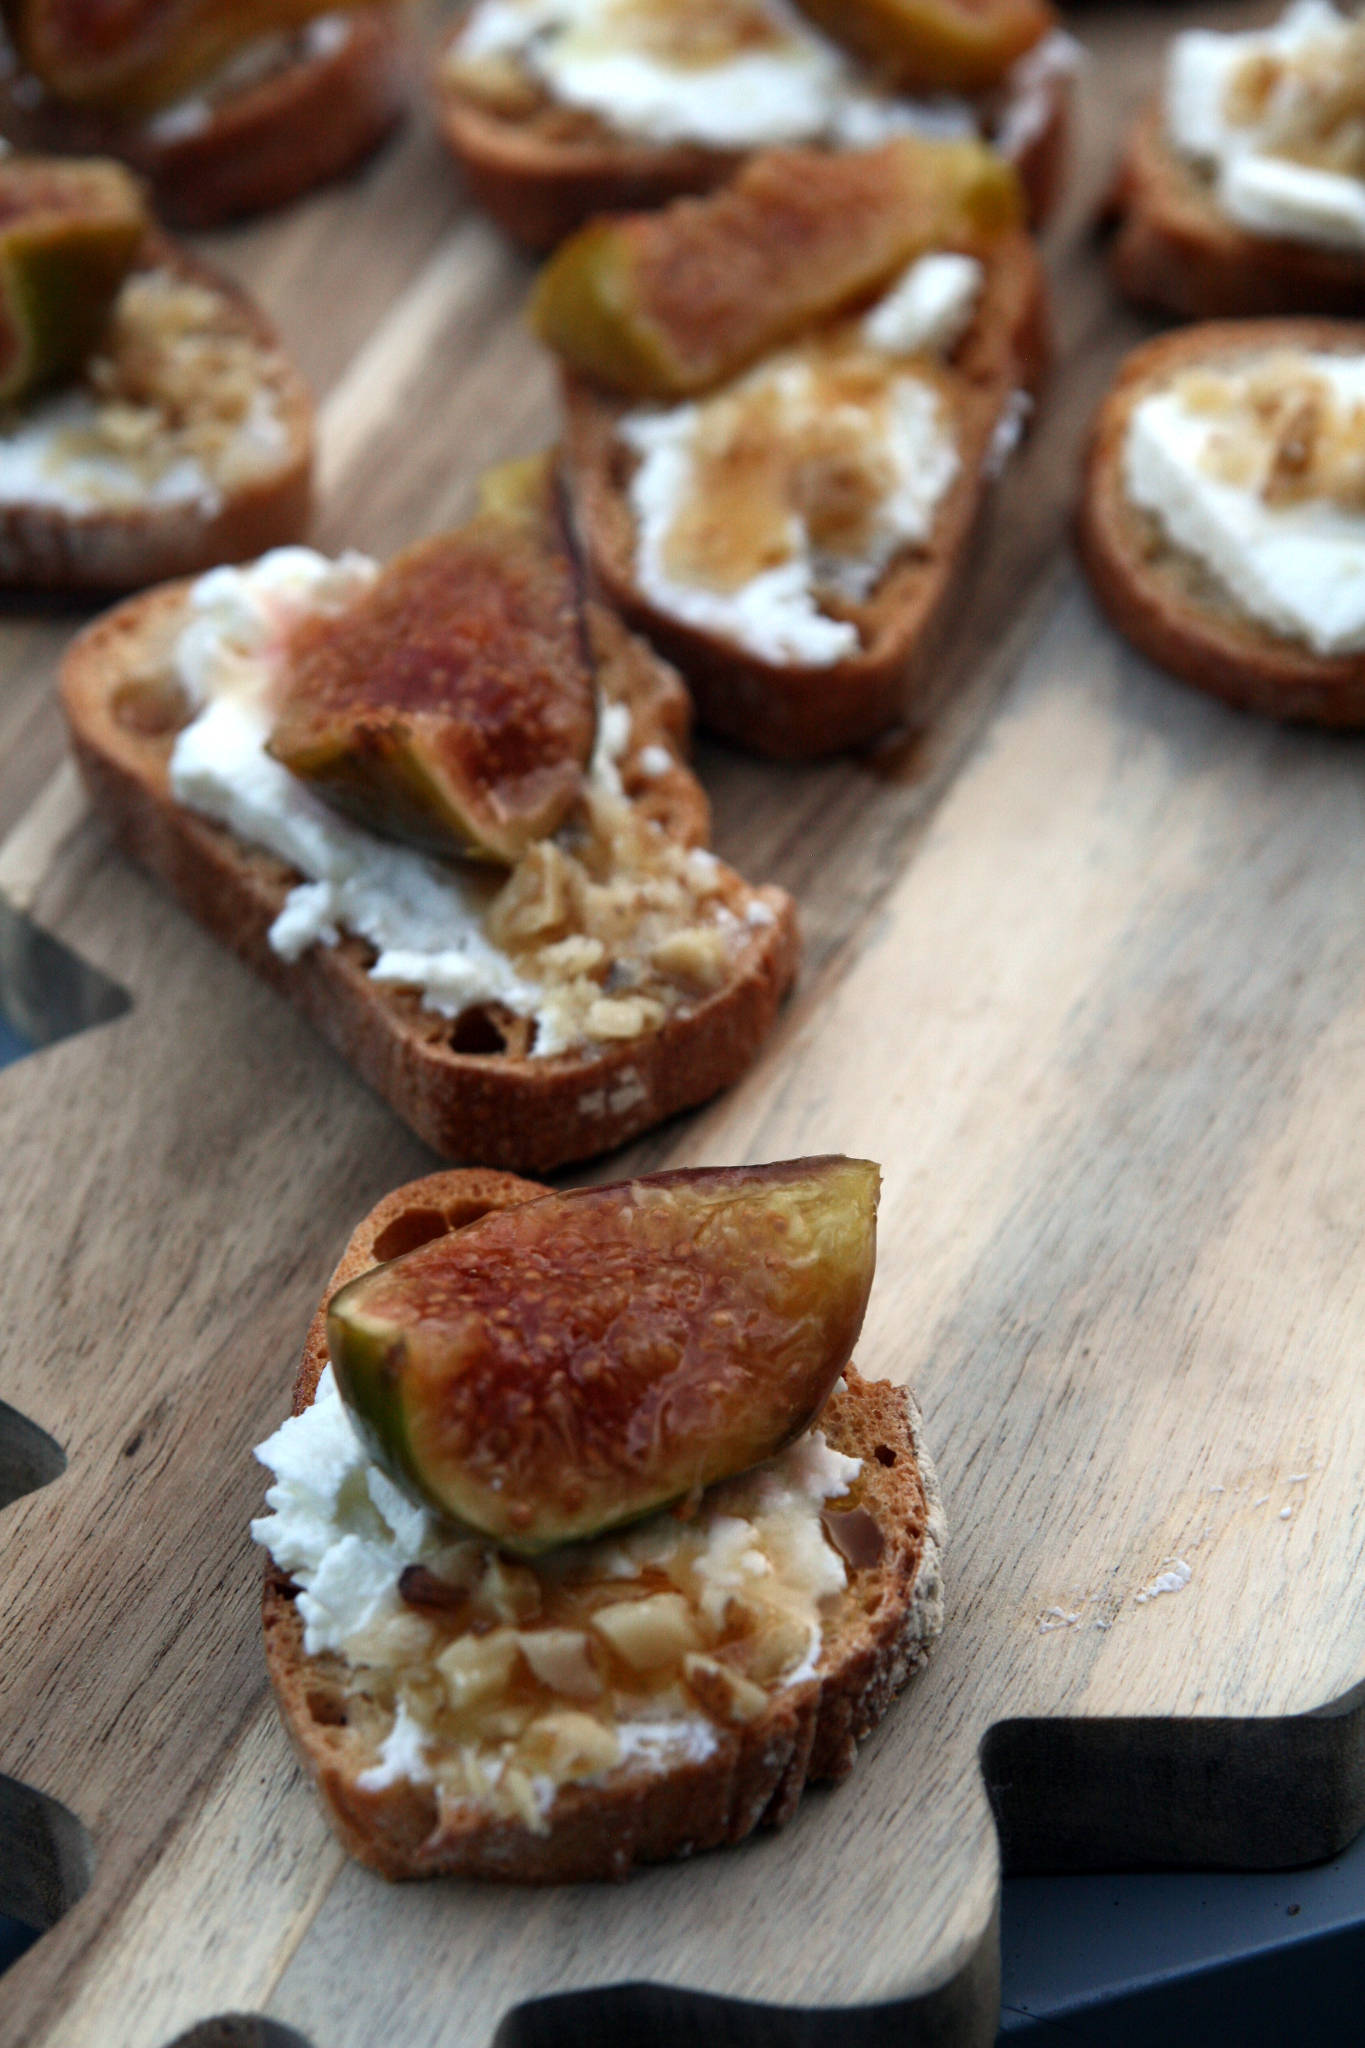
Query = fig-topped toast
x=225 y=106
x=785 y=405
x=672 y=1679
x=152 y=424
x=444 y=807
x=560 y=112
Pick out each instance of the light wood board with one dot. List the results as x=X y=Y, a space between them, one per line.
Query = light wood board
x=1085 y=969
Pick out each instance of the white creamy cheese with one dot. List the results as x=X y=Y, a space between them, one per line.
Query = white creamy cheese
x=1270 y=196
x=345 y=1534
x=1031 y=88
x=762 y=76
x=53 y=452
x=929 y=309
x=1260 y=189
x=901 y=423
x=1297 y=568
x=423 y=917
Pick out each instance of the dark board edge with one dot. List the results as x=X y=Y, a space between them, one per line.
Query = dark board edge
x=1177 y=1793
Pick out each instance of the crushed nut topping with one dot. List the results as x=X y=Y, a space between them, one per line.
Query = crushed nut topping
x=620 y=924
x=1281 y=431
x=522 y=1677
x=796 y=449
x=1311 y=104
x=180 y=379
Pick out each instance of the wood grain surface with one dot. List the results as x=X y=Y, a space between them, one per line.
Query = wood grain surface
x=1085 y=970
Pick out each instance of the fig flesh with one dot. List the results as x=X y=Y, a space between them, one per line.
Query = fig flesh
x=551 y=1372
x=133 y=56
x=453 y=704
x=936 y=45
x=68 y=235
x=666 y=304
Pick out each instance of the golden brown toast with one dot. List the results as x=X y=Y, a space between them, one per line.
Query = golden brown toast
x=1175 y=250
x=874 y=1640
x=187 y=353
x=789 y=711
x=1160 y=598
x=470 y=1088
x=337 y=93
x=541 y=172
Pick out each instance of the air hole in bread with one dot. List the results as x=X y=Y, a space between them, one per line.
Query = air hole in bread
x=151 y=706
x=326 y=1709
x=477 y=1031
x=884 y=1455
x=406 y=1232
x=471 y=1207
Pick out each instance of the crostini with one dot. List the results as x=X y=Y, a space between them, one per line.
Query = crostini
x=443 y=806
x=1223 y=514
x=785 y=403
x=559 y=109
x=225 y=110
x=568 y=1710
x=150 y=423
x=1243 y=191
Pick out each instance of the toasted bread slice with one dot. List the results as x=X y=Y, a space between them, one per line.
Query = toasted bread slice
x=541 y=170
x=190 y=371
x=643 y=1810
x=319 y=101
x=471 y=1088
x=1175 y=250
x=1163 y=600
x=790 y=711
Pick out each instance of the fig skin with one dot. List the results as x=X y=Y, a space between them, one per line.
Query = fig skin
x=136 y=56
x=662 y=305
x=69 y=234
x=936 y=45
x=552 y=1372
x=452 y=705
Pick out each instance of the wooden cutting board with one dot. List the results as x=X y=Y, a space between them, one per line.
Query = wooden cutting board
x=1085 y=970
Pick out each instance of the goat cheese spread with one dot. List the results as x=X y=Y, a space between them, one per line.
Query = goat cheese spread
x=1257 y=470
x=177 y=408
x=663 y=921
x=723 y=74
x=529 y=1702
x=805 y=476
x=1278 y=119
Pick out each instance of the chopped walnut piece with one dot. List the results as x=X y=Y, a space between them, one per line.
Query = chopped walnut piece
x=726 y=1694
x=1308 y=105
x=561 y=1658
x=1282 y=431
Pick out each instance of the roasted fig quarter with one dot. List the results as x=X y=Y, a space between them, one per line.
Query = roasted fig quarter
x=68 y=235
x=452 y=705
x=553 y=1371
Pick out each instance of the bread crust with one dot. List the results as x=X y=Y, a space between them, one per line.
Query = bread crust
x=48 y=547
x=1156 y=596
x=500 y=1108
x=790 y=711
x=540 y=184
x=877 y=1638
x=259 y=147
x=1175 y=250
